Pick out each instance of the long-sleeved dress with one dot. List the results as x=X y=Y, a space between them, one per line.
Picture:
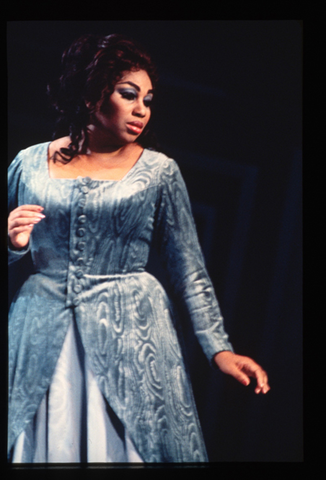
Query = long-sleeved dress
x=90 y=282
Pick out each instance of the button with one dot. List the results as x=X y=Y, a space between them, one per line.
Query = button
x=79 y=273
x=81 y=232
x=76 y=301
x=80 y=261
x=77 y=288
x=85 y=180
x=82 y=219
x=85 y=189
x=82 y=202
x=81 y=245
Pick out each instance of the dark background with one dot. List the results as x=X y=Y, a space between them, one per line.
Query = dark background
x=228 y=110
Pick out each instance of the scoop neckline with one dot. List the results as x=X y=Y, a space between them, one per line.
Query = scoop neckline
x=89 y=179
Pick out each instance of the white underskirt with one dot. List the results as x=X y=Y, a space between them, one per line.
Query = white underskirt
x=74 y=423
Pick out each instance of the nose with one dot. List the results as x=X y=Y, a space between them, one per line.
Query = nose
x=140 y=109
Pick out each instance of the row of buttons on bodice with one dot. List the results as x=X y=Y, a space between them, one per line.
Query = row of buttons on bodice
x=84 y=185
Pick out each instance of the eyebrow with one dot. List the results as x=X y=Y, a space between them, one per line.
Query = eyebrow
x=135 y=86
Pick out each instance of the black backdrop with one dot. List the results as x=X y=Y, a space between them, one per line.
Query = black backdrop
x=229 y=111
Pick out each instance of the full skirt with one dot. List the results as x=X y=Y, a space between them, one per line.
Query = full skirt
x=74 y=423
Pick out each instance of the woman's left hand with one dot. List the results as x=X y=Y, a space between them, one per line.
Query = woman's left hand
x=241 y=368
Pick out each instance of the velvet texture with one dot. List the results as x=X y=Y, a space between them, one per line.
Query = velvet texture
x=90 y=255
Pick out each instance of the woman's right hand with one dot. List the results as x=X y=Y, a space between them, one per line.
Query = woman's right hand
x=21 y=222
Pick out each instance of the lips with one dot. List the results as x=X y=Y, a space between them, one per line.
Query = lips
x=135 y=127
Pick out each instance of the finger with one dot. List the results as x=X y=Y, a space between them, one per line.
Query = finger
x=25 y=211
x=260 y=378
x=25 y=214
x=35 y=208
x=262 y=381
x=22 y=221
x=16 y=231
x=264 y=389
x=252 y=369
x=266 y=386
x=26 y=217
x=239 y=375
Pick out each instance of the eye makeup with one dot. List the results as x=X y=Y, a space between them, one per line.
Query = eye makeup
x=148 y=100
x=127 y=93
x=131 y=94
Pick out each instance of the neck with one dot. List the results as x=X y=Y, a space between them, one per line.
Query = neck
x=107 y=154
x=101 y=143
x=113 y=153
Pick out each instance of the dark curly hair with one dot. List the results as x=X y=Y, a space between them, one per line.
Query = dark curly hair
x=91 y=66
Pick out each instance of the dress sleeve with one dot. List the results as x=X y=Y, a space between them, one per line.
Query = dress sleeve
x=178 y=246
x=14 y=177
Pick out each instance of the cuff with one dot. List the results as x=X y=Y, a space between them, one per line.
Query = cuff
x=15 y=254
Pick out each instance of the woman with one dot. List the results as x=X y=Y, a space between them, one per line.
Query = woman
x=96 y=370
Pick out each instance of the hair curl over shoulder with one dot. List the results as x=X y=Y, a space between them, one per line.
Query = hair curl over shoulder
x=91 y=66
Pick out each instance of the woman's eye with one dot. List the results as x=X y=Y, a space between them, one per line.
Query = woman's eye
x=128 y=95
x=148 y=101
x=131 y=96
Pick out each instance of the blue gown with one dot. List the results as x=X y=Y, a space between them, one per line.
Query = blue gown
x=89 y=257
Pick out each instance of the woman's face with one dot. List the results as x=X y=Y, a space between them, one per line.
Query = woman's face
x=124 y=114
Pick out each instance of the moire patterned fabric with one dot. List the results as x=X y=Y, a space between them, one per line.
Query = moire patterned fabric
x=90 y=255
